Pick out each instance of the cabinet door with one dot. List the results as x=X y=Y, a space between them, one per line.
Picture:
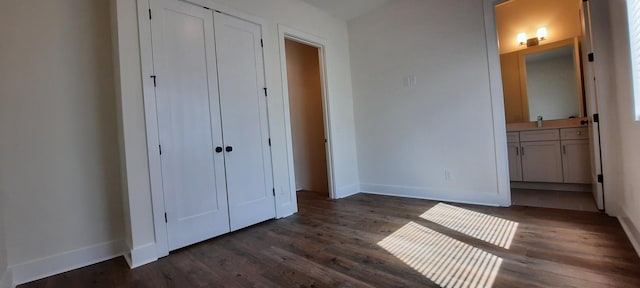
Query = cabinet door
x=189 y=128
x=515 y=162
x=244 y=121
x=541 y=161
x=576 y=162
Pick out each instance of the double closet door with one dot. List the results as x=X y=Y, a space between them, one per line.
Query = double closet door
x=212 y=122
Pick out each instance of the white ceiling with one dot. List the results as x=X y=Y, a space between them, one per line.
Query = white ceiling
x=347 y=9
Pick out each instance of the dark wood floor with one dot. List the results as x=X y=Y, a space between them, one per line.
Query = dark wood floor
x=377 y=241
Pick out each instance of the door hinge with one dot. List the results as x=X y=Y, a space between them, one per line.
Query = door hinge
x=165 y=218
x=149 y=14
x=591 y=57
x=600 y=178
x=274 y=191
x=154 y=80
x=261 y=43
x=269 y=141
x=265 y=92
x=596 y=118
x=160 y=149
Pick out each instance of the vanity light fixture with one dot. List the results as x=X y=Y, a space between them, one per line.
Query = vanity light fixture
x=541 y=36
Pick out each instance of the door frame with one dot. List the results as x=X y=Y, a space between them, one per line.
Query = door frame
x=150 y=113
x=495 y=81
x=285 y=32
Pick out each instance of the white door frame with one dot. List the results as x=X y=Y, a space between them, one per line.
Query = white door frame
x=284 y=33
x=497 y=103
x=151 y=120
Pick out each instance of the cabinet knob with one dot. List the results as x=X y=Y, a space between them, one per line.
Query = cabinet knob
x=218 y=149
x=229 y=149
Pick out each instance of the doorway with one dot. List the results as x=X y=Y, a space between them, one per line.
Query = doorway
x=307 y=114
x=552 y=140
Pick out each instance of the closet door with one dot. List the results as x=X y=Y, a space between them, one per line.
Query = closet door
x=244 y=120
x=189 y=125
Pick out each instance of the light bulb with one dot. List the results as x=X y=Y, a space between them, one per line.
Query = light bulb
x=522 y=38
x=542 y=33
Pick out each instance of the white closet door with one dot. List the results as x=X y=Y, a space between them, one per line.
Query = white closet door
x=189 y=123
x=244 y=120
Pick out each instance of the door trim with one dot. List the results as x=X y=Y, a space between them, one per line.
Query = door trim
x=285 y=32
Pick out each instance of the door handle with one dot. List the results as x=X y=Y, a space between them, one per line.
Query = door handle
x=517 y=151
x=218 y=149
x=522 y=151
x=229 y=149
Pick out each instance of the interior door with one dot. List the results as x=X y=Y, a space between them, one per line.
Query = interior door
x=244 y=120
x=591 y=95
x=189 y=125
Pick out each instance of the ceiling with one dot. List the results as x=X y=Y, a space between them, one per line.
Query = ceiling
x=347 y=9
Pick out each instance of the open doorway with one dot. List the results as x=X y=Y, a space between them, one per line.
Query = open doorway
x=306 y=107
x=553 y=139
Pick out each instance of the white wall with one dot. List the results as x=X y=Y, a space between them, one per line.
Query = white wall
x=307 y=119
x=292 y=13
x=628 y=197
x=561 y=18
x=408 y=135
x=58 y=154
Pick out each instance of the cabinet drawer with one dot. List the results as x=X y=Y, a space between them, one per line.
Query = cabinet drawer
x=513 y=137
x=540 y=135
x=578 y=133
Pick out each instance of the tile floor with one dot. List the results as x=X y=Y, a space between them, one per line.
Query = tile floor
x=580 y=201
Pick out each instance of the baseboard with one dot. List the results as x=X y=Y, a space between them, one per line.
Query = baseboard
x=476 y=198
x=553 y=186
x=67 y=261
x=6 y=280
x=632 y=231
x=346 y=191
x=142 y=255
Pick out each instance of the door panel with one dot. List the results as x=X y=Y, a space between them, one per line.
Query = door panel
x=244 y=120
x=515 y=163
x=541 y=161
x=189 y=123
x=576 y=161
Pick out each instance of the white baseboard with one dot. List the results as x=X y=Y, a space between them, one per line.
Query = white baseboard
x=142 y=255
x=632 y=231
x=553 y=186
x=346 y=191
x=67 y=261
x=5 y=279
x=476 y=198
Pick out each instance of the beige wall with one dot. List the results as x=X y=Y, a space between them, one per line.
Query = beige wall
x=307 y=121
x=510 y=63
x=561 y=18
x=58 y=154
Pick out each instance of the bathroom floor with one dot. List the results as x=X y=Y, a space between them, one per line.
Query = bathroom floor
x=580 y=201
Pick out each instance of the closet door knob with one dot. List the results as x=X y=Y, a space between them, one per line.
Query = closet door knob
x=229 y=148
x=218 y=149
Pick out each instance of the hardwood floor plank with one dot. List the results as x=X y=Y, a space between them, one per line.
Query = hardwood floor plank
x=381 y=241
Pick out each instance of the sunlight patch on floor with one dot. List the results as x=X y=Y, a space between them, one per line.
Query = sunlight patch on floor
x=495 y=230
x=444 y=260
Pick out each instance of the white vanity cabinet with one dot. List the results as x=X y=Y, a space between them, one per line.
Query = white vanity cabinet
x=550 y=156
x=541 y=159
x=576 y=164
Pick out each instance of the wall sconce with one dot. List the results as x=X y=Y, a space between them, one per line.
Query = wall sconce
x=541 y=36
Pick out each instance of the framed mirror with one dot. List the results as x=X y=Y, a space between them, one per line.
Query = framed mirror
x=543 y=81
x=551 y=81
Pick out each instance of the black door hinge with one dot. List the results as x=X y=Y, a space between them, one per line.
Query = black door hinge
x=149 y=14
x=261 y=43
x=265 y=92
x=154 y=80
x=165 y=218
x=600 y=178
x=269 y=141
x=591 y=57
x=596 y=118
x=274 y=191
x=160 y=149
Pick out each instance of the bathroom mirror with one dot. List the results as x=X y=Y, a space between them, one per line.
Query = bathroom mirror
x=551 y=81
